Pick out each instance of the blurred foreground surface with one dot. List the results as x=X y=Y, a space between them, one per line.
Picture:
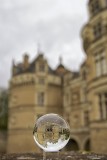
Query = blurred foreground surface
x=62 y=156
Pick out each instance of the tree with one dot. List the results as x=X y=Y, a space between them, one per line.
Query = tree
x=3 y=109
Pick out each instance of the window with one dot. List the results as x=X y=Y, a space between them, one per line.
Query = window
x=49 y=128
x=103 y=105
x=104 y=65
x=41 y=81
x=41 y=99
x=97 y=29
x=101 y=64
x=95 y=7
x=41 y=67
x=86 y=118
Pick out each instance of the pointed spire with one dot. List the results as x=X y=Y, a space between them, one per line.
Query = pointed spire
x=60 y=59
x=13 y=62
x=40 y=53
x=38 y=48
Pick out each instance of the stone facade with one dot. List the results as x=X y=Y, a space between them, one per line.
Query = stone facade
x=80 y=97
x=35 y=89
x=95 y=39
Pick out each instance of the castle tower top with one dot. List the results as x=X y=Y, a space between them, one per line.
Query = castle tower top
x=96 y=6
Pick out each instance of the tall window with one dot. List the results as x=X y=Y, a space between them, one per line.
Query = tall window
x=101 y=64
x=95 y=7
x=41 y=98
x=41 y=67
x=97 y=30
x=104 y=65
x=103 y=105
x=41 y=81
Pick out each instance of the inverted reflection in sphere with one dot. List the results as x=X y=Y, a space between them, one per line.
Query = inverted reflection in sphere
x=51 y=132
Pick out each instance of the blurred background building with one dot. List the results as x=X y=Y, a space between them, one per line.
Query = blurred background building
x=80 y=97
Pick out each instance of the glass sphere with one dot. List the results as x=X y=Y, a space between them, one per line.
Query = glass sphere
x=51 y=132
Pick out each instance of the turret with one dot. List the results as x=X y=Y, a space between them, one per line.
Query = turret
x=14 y=68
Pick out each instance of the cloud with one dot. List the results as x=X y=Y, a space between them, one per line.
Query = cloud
x=55 y=24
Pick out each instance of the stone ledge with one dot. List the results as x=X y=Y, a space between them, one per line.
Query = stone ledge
x=62 y=156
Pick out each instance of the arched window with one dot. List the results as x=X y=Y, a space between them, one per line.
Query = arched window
x=72 y=145
x=87 y=145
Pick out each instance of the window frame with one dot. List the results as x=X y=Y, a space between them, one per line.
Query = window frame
x=100 y=64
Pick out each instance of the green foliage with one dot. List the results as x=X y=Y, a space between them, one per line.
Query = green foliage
x=3 y=110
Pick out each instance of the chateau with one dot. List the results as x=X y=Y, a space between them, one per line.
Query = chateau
x=80 y=97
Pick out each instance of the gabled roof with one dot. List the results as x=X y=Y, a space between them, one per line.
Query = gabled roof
x=32 y=67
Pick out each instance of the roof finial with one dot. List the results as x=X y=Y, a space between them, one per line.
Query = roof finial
x=13 y=62
x=60 y=59
x=38 y=48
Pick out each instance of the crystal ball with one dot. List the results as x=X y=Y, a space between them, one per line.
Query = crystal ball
x=51 y=132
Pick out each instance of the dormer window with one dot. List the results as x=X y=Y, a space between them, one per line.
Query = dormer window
x=41 y=67
x=41 y=98
x=41 y=81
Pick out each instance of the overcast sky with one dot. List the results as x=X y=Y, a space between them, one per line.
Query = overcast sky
x=54 y=24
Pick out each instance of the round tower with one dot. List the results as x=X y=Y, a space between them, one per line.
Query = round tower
x=35 y=89
x=94 y=36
